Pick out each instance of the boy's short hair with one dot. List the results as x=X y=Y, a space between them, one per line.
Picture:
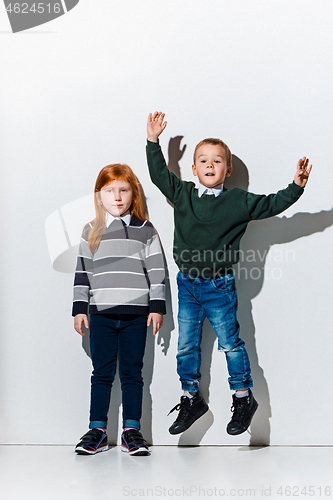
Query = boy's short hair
x=214 y=142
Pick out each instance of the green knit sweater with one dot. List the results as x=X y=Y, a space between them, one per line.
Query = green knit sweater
x=208 y=230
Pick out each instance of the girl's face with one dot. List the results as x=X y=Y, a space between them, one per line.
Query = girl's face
x=117 y=197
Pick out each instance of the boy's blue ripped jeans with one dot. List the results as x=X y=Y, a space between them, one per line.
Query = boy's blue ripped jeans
x=215 y=299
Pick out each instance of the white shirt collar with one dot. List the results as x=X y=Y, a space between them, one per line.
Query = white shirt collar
x=125 y=218
x=216 y=190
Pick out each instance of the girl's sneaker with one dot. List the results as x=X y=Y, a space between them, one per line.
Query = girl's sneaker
x=133 y=443
x=92 y=442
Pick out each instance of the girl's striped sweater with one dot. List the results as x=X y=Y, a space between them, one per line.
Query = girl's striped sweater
x=126 y=274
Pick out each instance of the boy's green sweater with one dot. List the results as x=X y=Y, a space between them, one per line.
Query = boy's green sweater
x=208 y=230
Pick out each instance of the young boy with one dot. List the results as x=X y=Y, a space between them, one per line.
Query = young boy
x=209 y=224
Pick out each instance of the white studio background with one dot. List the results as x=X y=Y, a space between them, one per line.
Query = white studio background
x=75 y=94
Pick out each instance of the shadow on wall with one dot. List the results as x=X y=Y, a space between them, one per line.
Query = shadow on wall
x=249 y=273
x=63 y=231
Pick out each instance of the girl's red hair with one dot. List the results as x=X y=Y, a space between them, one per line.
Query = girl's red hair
x=138 y=207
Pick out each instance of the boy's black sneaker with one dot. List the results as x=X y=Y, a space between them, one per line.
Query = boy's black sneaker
x=92 y=442
x=133 y=443
x=243 y=410
x=190 y=409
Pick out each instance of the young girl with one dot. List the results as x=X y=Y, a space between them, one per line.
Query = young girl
x=120 y=274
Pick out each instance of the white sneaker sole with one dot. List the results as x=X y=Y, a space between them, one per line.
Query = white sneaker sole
x=139 y=452
x=82 y=451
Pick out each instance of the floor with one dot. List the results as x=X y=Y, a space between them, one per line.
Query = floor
x=57 y=473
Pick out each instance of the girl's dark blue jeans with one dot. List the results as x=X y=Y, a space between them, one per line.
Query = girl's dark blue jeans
x=111 y=338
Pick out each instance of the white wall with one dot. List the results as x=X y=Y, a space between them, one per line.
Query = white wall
x=75 y=96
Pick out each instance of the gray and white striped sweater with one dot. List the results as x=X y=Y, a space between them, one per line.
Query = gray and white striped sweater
x=125 y=275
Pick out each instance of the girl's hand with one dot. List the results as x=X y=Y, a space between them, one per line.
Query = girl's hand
x=155 y=125
x=303 y=172
x=157 y=319
x=78 y=323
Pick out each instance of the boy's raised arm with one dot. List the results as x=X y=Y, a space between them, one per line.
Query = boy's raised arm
x=167 y=182
x=262 y=207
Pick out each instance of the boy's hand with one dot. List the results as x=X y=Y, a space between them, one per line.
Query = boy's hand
x=303 y=172
x=157 y=319
x=78 y=323
x=155 y=125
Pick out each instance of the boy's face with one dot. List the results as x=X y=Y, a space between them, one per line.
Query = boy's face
x=211 y=165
